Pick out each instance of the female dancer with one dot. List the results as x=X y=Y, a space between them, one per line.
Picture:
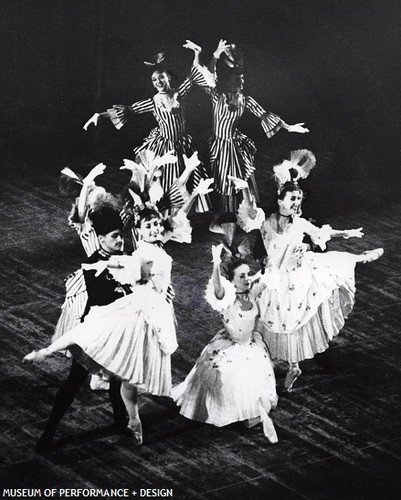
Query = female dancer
x=230 y=151
x=170 y=136
x=309 y=295
x=133 y=337
x=233 y=379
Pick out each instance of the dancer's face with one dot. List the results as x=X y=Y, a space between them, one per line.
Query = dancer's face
x=112 y=242
x=291 y=203
x=150 y=229
x=161 y=81
x=242 y=278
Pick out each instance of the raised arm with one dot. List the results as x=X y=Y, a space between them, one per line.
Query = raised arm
x=216 y=276
x=222 y=47
x=202 y=188
x=88 y=183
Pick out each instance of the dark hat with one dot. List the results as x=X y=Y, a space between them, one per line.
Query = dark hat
x=105 y=220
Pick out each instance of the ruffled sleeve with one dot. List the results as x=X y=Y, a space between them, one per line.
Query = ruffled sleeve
x=319 y=236
x=228 y=298
x=271 y=123
x=119 y=114
x=244 y=219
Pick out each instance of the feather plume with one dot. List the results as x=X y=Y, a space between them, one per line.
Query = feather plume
x=301 y=163
x=157 y=59
x=69 y=173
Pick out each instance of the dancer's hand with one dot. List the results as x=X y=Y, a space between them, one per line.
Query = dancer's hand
x=93 y=120
x=99 y=267
x=192 y=162
x=223 y=46
x=216 y=253
x=169 y=157
x=204 y=186
x=95 y=172
x=298 y=128
x=239 y=184
x=192 y=46
x=36 y=356
x=354 y=233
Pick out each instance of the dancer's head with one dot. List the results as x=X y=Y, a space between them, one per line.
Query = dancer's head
x=290 y=199
x=161 y=79
x=239 y=274
x=108 y=227
x=235 y=82
x=150 y=224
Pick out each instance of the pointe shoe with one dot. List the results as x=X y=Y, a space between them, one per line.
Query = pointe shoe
x=216 y=228
x=371 y=255
x=269 y=430
x=135 y=428
x=35 y=356
x=292 y=375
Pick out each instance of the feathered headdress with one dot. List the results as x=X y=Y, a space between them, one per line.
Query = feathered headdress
x=144 y=187
x=297 y=167
x=156 y=60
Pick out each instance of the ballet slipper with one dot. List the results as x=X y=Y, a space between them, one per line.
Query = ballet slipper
x=36 y=356
x=371 y=255
x=292 y=375
x=269 y=431
x=135 y=428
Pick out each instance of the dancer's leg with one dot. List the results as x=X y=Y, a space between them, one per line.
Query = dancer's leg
x=63 y=400
x=293 y=373
x=129 y=394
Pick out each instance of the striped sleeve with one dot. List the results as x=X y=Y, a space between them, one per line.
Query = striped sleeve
x=271 y=123
x=76 y=294
x=200 y=76
x=119 y=113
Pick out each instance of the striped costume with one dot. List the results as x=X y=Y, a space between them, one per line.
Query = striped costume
x=230 y=151
x=169 y=135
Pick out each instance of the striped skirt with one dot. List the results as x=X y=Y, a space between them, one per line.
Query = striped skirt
x=161 y=145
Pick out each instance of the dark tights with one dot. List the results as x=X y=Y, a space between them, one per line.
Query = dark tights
x=67 y=392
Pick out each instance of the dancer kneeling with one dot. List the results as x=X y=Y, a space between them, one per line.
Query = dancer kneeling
x=233 y=379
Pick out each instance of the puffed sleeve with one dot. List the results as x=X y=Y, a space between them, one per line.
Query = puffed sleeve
x=319 y=236
x=244 y=219
x=119 y=114
x=228 y=298
x=271 y=123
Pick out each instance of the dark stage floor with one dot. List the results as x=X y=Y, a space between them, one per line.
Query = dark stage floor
x=339 y=434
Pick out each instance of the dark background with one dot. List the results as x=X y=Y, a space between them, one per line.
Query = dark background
x=330 y=63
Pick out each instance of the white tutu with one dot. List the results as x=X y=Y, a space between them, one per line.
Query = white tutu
x=132 y=338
